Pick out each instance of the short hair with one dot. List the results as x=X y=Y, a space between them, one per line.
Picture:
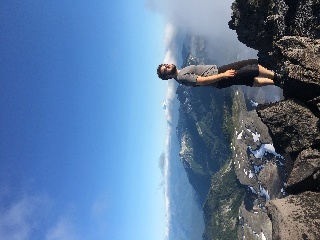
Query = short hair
x=161 y=75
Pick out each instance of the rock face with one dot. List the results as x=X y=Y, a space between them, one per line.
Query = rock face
x=286 y=35
x=258 y=167
x=296 y=216
x=301 y=56
x=293 y=127
x=261 y=24
x=305 y=172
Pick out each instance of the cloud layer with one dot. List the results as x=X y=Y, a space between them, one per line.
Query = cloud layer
x=201 y=17
x=38 y=216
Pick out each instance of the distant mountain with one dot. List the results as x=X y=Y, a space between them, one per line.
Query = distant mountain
x=204 y=142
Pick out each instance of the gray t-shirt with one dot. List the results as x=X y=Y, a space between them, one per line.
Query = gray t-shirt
x=189 y=74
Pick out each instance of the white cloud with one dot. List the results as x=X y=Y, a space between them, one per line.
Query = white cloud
x=169 y=34
x=63 y=230
x=99 y=207
x=162 y=162
x=14 y=223
x=199 y=16
x=98 y=214
x=170 y=101
x=165 y=172
x=22 y=218
x=29 y=216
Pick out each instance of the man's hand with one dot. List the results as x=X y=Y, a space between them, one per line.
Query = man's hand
x=229 y=73
x=215 y=78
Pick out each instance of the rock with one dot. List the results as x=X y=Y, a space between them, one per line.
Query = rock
x=301 y=56
x=315 y=102
x=272 y=180
x=292 y=126
x=302 y=18
x=250 y=132
x=260 y=24
x=304 y=175
x=286 y=35
x=306 y=52
x=253 y=224
x=295 y=217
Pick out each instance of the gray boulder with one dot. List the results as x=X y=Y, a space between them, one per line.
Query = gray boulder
x=295 y=217
x=293 y=127
x=305 y=172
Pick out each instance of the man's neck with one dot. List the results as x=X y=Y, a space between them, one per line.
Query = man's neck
x=176 y=74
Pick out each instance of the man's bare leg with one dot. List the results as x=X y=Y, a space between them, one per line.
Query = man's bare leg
x=265 y=73
x=260 y=82
x=267 y=77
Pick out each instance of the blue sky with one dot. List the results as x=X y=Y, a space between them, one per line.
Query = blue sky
x=81 y=120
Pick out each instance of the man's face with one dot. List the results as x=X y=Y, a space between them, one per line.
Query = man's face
x=168 y=69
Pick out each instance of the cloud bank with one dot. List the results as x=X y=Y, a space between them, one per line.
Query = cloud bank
x=26 y=219
x=39 y=216
x=202 y=17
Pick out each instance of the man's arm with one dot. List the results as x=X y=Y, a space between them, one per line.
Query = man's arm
x=215 y=78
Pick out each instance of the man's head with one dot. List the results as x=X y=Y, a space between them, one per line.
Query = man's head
x=166 y=71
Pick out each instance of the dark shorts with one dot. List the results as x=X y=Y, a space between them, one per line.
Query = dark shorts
x=247 y=70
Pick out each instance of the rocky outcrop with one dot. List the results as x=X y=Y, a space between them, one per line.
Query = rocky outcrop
x=296 y=217
x=301 y=56
x=261 y=24
x=258 y=167
x=305 y=172
x=286 y=35
x=255 y=225
x=255 y=166
x=292 y=125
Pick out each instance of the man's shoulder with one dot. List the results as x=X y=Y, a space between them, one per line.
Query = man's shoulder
x=200 y=66
x=200 y=69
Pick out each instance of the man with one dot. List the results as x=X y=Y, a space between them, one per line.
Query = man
x=246 y=72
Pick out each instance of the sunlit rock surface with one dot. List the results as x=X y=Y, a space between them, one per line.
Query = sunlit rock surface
x=286 y=35
x=296 y=216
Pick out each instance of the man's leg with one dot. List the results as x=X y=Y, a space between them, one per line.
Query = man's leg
x=249 y=73
x=247 y=70
x=277 y=78
x=260 y=82
x=265 y=77
x=265 y=73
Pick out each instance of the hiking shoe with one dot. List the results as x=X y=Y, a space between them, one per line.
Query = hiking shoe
x=284 y=74
x=281 y=77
